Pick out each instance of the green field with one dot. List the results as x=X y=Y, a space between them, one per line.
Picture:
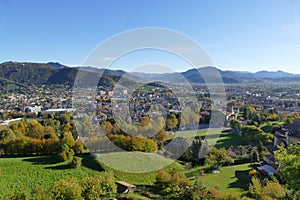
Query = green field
x=25 y=173
x=231 y=179
x=214 y=136
x=136 y=167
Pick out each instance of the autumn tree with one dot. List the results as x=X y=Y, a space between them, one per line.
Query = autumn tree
x=107 y=127
x=35 y=130
x=218 y=157
x=6 y=133
x=172 y=122
x=50 y=133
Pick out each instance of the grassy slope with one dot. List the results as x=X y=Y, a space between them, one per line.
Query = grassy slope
x=17 y=173
x=231 y=179
x=136 y=167
x=23 y=173
x=215 y=136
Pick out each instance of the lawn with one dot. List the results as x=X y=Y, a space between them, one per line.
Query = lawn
x=27 y=172
x=267 y=126
x=233 y=179
x=214 y=136
x=136 y=167
x=24 y=173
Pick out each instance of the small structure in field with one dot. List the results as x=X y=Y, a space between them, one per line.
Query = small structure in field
x=124 y=187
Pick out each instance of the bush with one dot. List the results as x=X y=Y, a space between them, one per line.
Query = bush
x=67 y=189
x=163 y=177
x=98 y=187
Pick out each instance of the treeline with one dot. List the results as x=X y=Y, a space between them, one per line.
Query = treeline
x=130 y=143
x=44 y=137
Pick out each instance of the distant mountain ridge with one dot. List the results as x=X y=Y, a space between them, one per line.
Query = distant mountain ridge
x=27 y=73
x=57 y=65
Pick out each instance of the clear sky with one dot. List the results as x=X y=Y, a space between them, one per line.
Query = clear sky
x=245 y=35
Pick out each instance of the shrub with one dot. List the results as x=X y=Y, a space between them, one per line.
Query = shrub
x=67 y=189
x=98 y=187
x=162 y=177
x=253 y=172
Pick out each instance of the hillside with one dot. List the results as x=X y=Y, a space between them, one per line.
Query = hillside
x=28 y=74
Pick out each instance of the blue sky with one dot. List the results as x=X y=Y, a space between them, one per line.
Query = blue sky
x=245 y=35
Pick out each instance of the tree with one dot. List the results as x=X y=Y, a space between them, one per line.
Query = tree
x=289 y=160
x=161 y=135
x=254 y=154
x=248 y=111
x=107 y=127
x=178 y=187
x=189 y=117
x=172 y=122
x=254 y=135
x=269 y=190
x=218 y=157
x=78 y=147
x=236 y=125
x=35 y=130
x=6 y=133
x=50 y=132
x=255 y=188
x=192 y=152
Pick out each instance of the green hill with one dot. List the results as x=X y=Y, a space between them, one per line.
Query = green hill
x=28 y=74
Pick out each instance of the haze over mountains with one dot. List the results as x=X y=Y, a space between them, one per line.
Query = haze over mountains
x=55 y=73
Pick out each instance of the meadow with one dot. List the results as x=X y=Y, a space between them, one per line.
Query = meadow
x=27 y=172
x=233 y=179
x=219 y=137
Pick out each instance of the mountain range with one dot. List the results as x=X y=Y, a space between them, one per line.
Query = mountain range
x=27 y=74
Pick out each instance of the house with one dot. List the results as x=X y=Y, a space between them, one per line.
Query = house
x=288 y=133
x=124 y=187
x=266 y=170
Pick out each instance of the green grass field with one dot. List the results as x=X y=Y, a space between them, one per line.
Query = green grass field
x=27 y=172
x=24 y=173
x=214 y=136
x=233 y=179
x=136 y=167
x=267 y=126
